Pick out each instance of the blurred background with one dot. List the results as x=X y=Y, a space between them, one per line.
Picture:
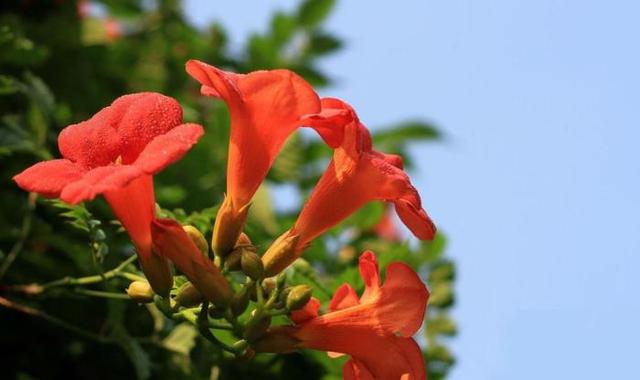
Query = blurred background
x=519 y=121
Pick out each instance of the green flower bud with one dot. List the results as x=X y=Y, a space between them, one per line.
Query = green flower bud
x=188 y=296
x=140 y=291
x=251 y=264
x=298 y=297
x=198 y=239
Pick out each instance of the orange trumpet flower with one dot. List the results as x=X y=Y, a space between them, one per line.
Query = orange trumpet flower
x=265 y=108
x=356 y=175
x=375 y=330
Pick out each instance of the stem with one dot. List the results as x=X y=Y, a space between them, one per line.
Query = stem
x=22 y=237
x=259 y=294
x=70 y=281
x=98 y=293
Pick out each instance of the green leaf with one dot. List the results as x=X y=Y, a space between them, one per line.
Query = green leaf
x=391 y=138
x=441 y=325
x=78 y=215
x=182 y=339
x=313 y=12
x=442 y=271
x=434 y=249
x=283 y=27
x=8 y=85
x=442 y=295
x=321 y=44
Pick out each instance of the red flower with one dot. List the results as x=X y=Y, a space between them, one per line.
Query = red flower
x=116 y=153
x=265 y=107
x=375 y=329
x=357 y=174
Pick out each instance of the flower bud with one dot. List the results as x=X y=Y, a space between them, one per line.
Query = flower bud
x=298 y=297
x=281 y=253
x=276 y=341
x=188 y=296
x=268 y=285
x=240 y=301
x=140 y=291
x=232 y=262
x=251 y=265
x=198 y=239
x=228 y=226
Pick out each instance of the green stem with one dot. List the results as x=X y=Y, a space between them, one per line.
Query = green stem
x=259 y=295
x=101 y=294
x=70 y=281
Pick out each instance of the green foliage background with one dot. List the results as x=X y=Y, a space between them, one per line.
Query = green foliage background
x=57 y=68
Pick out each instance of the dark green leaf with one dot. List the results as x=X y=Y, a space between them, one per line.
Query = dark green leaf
x=313 y=12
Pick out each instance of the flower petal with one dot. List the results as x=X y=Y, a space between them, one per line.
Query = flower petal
x=143 y=117
x=354 y=370
x=168 y=148
x=91 y=143
x=344 y=297
x=402 y=301
x=98 y=181
x=134 y=206
x=416 y=219
x=48 y=178
x=330 y=120
x=370 y=273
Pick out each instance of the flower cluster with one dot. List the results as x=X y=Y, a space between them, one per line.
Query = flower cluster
x=117 y=151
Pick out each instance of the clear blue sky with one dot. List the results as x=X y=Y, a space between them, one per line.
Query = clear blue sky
x=537 y=184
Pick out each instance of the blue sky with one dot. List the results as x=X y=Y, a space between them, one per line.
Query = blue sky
x=537 y=181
